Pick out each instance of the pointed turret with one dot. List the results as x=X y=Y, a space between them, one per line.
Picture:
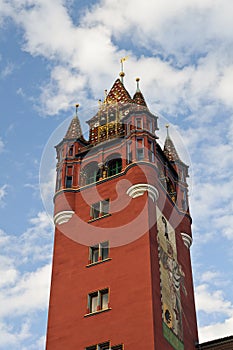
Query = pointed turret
x=74 y=131
x=138 y=96
x=169 y=148
x=118 y=93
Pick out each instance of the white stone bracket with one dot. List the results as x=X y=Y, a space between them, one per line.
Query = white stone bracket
x=187 y=239
x=62 y=217
x=139 y=189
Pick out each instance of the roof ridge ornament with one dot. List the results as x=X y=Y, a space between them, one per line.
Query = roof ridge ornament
x=122 y=74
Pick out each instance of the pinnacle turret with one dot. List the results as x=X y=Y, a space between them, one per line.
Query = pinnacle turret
x=169 y=148
x=74 y=131
x=138 y=97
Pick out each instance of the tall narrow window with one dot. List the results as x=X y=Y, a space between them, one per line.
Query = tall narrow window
x=129 y=152
x=104 y=346
x=138 y=123
x=71 y=150
x=93 y=301
x=184 y=201
x=104 y=299
x=151 y=155
x=58 y=184
x=150 y=126
x=69 y=176
x=140 y=149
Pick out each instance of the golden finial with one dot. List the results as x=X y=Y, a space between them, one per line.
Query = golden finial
x=122 y=74
x=76 y=107
x=137 y=80
x=167 y=126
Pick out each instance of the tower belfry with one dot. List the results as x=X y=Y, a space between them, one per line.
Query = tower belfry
x=121 y=276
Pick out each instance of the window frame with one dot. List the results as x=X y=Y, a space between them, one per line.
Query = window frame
x=98 y=307
x=142 y=153
x=101 y=248
x=99 y=209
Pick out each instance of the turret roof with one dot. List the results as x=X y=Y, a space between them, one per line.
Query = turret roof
x=170 y=150
x=74 y=131
x=118 y=93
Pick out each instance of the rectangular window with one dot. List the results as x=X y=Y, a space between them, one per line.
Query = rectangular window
x=129 y=153
x=117 y=347
x=138 y=123
x=140 y=149
x=99 y=252
x=98 y=301
x=104 y=299
x=99 y=209
x=184 y=201
x=150 y=126
x=69 y=181
x=93 y=299
x=69 y=176
x=58 y=184
x=105 y=346
x=151 y=155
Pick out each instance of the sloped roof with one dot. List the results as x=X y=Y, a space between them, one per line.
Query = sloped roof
x=170 y=150
x=74 y=131
x=118 y=93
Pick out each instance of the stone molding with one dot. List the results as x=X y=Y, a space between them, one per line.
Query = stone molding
x=139 y=189
x=187 y=239
x=62 y=217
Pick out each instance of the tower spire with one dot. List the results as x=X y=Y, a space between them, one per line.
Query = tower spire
x=169 y=148
x=122 y=74
x=138 y=96
x=74 y=131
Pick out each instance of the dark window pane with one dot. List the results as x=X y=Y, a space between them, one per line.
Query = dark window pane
x=94 y=254
x=68 y=181
x=117 y=347
x=104 y=346
x=93 y=347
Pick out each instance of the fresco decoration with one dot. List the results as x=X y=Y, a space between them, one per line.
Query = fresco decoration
x=172 y=280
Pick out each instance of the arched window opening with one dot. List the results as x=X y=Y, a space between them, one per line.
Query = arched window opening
x=114 y=166
x=171 y=190
x=90 y=174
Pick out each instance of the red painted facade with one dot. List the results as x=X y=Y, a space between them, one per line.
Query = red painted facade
x=131 y=271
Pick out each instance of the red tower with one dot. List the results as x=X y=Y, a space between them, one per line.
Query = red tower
x=122 y=276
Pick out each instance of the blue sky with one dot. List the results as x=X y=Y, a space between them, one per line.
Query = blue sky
x=56 y=53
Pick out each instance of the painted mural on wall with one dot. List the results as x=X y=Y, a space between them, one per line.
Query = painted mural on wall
x=172 y=281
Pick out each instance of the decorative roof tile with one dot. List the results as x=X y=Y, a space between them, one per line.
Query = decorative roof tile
x=74 y=131
x=118 y=93
x=169 y=149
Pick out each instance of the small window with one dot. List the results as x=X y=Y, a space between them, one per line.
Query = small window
x=101 y=346
x=93 y=298
x=140 y=149
x=105 y=346
x=71 y=150
x=104 y=299
x=99 y=209
x=99 y=252
x=151 y=155
x=138 y=123
x=69 y=181
x=129 y=153
x=98 y=301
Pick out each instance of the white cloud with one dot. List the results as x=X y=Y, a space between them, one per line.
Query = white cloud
x=3 y=193
x=1 y=145
x=24 y=293
x=216 y=330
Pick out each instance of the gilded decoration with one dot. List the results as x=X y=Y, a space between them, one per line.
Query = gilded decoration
x=172 y=280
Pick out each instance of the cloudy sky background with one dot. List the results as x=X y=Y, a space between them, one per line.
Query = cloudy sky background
x=56 y=53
